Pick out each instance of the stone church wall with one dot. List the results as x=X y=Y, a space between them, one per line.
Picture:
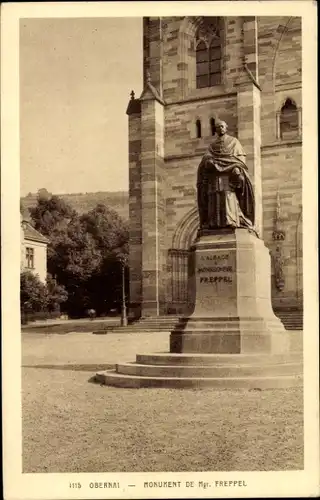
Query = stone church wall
x=281 y=168
x=280 y=78
x=169 y=56
x=180 y=123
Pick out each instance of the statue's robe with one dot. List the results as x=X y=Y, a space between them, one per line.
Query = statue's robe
x=225 y=192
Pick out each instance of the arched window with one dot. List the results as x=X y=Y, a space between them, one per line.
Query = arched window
x=202 y=57
x=209 y=53
x=289 y=120
x=198 y=129
x=212 y=126
x=215 y=61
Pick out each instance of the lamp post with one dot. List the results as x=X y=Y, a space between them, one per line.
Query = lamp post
x=124 y=318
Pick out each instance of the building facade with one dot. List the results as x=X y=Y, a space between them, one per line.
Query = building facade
x=246 y=71
x=33 y=250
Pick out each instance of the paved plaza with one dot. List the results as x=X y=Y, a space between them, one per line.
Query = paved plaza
x=73 y=425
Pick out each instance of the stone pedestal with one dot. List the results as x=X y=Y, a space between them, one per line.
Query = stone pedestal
x=233 y=312
x=233 y=339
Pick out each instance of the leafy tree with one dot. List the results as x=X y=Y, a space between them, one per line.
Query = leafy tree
x=111 y=236
x=51 y=214
x=105 y=287
x=107 y=228
x=37 y=297
x=33 y=293
x=57 y=294
x=84 y=254
x=74 y=254
x=44 y=194
x=73 y=260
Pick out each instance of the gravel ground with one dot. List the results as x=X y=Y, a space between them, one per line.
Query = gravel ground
x=73 y=425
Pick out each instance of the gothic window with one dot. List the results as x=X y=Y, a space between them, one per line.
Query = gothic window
x=208 y=54
x=212 y=126
x=215 y=62
x=202 y=57
x=198 y=129
x=289 y=120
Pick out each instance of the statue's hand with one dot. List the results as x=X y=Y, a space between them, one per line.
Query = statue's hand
x=209 y=162
x=236 y=171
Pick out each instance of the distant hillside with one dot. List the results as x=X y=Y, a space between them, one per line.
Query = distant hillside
x=83 y=202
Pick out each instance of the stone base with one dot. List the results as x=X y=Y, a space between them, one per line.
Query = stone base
x=233 y=340
x=233 y=311
x=229 y=335
x=224 y=371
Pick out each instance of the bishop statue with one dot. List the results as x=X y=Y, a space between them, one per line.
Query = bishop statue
x=225 y=192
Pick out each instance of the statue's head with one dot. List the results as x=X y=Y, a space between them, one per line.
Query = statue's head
x=221 y=127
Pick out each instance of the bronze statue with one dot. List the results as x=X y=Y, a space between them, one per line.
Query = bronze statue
x=225 y=192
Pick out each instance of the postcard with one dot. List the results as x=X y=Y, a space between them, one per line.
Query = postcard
x=159 y=250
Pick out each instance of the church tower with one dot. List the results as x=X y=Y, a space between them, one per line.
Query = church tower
x=246 y=71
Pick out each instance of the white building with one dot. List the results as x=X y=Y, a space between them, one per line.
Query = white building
x=33 y=250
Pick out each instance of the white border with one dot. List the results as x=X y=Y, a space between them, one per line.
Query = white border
x=55 y=486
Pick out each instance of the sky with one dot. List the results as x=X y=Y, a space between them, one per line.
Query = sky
x=76 y=76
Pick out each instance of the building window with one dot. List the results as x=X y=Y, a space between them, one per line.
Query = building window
x=209 y=54
x=198 y=129
x=202 y=57
x=30 y=258
x=289 y=120
x=212 y=126
x=215 y=62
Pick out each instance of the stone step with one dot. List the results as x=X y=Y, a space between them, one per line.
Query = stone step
x=136 y=326
x=129 y=330
x=298 y=316
x=158 y=320
x=222 y=319
x=212 y=325
x=159 y=328
x=164 y=326
x=230 y=319
x=111 y=378
x=292 y=320
x=169 y=317
x=249 y=329
x=209 y=371
x=293 y=326
x=227 y=323
x=156 y=326
x=195 y=359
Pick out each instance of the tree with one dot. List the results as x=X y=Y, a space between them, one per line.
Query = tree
x=107 y=228
x=111 y=236
x=37 y=297
x=33 y=293
x=84 y=253
x=57 y=294
x=44 y=194
x=51 y=214
x=74 y=254
x=74 y=258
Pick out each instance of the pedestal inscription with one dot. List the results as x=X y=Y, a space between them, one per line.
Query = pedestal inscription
x=217 y=272
x=215 y=279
